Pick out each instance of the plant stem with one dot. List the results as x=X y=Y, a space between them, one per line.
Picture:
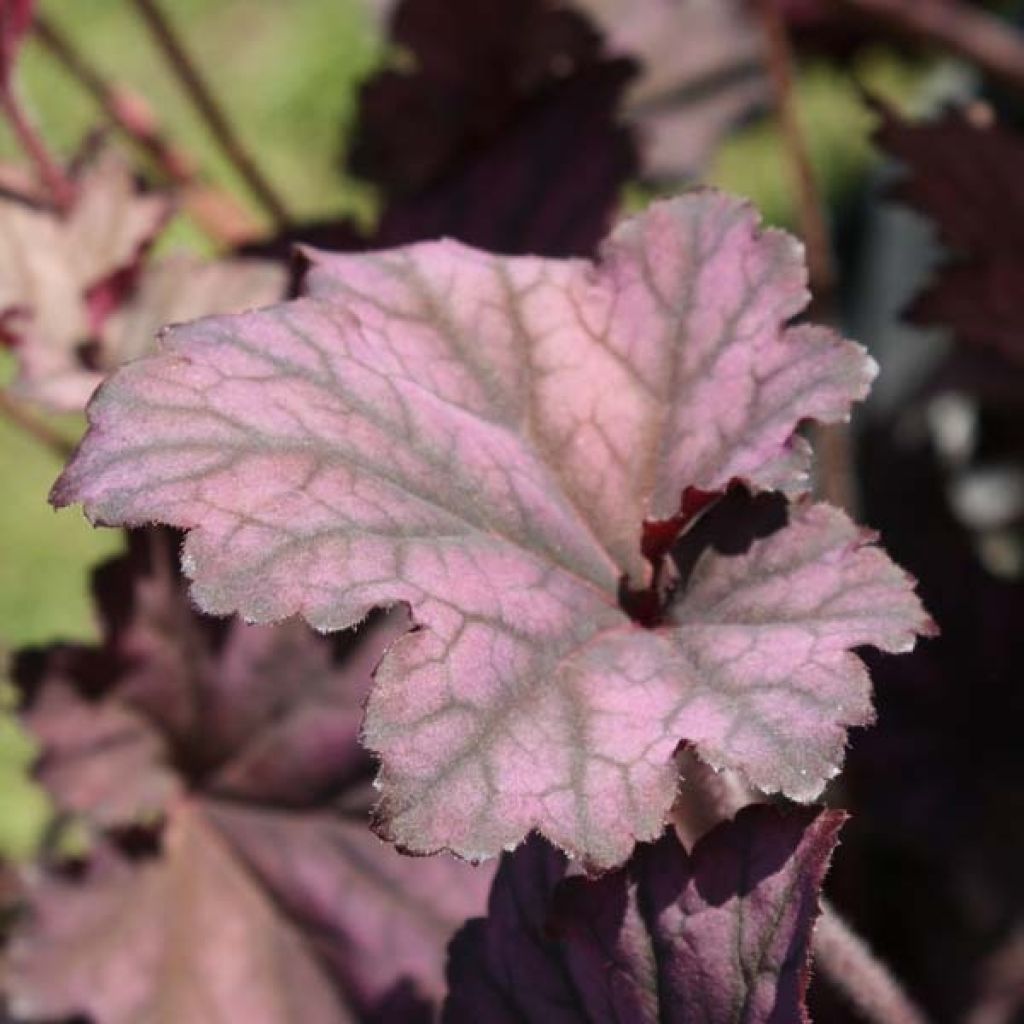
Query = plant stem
x=14 y=412
x=832 y=441
x=126 y=110
x=50 y=171
x=974 y=34
x=210 y=110
x=844 y=957
x=215 y=211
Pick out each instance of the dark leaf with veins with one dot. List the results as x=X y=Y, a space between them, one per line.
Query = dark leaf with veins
x=716 y=937
x=483 y=438
x=262 y=894
x=505 y=133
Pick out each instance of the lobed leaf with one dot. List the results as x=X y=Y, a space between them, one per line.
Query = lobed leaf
x=483 y=438
x=217 y=768
x=721 y=935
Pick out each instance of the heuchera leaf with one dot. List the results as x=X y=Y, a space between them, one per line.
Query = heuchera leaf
x=78 y=297
x=51 y=264
x=264 y=894
x=702 y=72
x=476 y=65
x=718 y=936
x=530 y=156
x=483 y=438
x=965 y=175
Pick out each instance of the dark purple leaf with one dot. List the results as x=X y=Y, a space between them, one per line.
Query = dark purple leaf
x=719 y=936
x=964 y=173
x=261 y=890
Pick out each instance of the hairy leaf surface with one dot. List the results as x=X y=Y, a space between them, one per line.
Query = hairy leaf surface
x=718 y=936
x=483 y=438
x=233 y=870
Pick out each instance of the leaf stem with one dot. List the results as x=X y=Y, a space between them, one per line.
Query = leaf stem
x=14 y=412
x=210 y=110
x=215 y=211
x=126 y=110
x=832 y=441
x=848 y=963
x=52 y=175
x=974 y=34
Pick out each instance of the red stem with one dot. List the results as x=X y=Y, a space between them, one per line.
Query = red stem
x=124 y=109
x=50 y=171
x=215 y=210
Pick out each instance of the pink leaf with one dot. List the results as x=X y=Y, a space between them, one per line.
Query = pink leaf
x=78 y=297
x=720 y=935
x=484 y=438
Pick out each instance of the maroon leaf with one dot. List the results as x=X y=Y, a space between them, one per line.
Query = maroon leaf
x=483 y=438
x=477 y=66
x=964 y=173
x=719 y=936
x=531 y=156
x=266 y=894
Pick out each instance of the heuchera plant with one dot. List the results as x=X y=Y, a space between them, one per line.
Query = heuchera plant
x=586 y=628
x=509 y=446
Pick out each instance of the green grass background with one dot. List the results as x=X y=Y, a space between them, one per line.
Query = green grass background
x=286 y=72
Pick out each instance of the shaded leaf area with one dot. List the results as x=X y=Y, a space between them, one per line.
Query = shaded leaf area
x=80 y=296
x=718 y=936
x=499 y=128
x=929 y=868
x=964 y=173
x=483 y=438
x=232 y=873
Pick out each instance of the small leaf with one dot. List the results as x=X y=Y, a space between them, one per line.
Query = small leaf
x=483 y=438
x=78 y=297
x=719 y=936
x=259 y=889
